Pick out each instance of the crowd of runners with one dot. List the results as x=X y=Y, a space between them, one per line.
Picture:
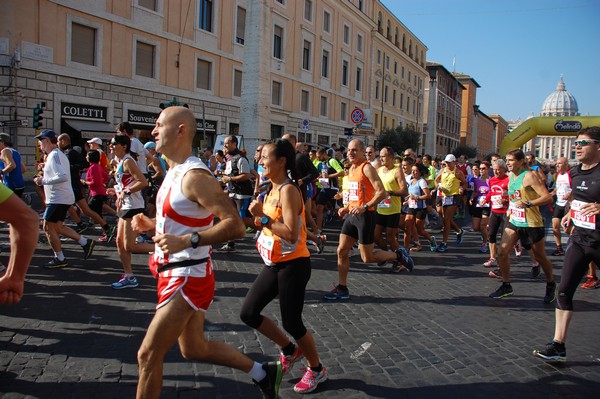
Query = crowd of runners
x=390 y=203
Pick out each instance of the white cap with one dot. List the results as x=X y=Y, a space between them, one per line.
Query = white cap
x=95 y=140
x=450 y=158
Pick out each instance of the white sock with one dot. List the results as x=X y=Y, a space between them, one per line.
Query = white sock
x=82 y=241
x=59 y=255
x=257 y=372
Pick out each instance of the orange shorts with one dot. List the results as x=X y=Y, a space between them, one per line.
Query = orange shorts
x=197 y=291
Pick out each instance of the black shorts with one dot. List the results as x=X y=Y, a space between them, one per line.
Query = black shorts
x=325 y=196
x=389 y=221
x=78 y=194
x=559 y=212
x=456 y=201
x=419 y=213
x=479 y=212
x=129 y=213
x=528 y=235
x=56 y=212
x=96 y=203
x=360 y=227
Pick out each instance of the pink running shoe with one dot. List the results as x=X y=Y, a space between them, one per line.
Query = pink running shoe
x=310 y=380
x=287 y=362
x=518 y=248
x=491 y=262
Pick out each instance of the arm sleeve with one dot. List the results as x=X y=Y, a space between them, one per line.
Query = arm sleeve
x=61 y=172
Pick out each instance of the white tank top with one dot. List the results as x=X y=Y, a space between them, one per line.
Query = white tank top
x=175 y=214
x=563 y=188
x=126 y=180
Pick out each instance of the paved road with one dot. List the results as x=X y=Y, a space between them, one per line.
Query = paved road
x=429 y=334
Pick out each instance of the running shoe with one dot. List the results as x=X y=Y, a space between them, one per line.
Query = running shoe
x=491 y=262
x=321 y=240
x=553 y=351
x=432 y=244
x=535 y=270
x=111 y=233
x=397 y=267
x=337 y=293
x=55 y=263
x=518 y=248
x=404 y=258
x=504 y=290
x=227 y=248
x=270 y=384
x=416 y=248
x=459 y=236
x=550 y=292
x=558 y=251
x=88 y=248
x=103 y=238
x=495 y=273
x=484 y=249
x=287 y=362
x=125 y=282
x=442 y=247
x=81 y=227
x=310 y=380
x=590 y=283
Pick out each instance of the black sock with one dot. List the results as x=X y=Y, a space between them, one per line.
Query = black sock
x=317 y=369
x=106 y=227
x=289 y=350
x=343 y=287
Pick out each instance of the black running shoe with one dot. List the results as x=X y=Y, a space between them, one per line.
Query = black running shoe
x=550 y=292
x=553 y=351
x=504 y=290
x=270 y=384
x=535 y=271
x=88 y=248
x=56 y=264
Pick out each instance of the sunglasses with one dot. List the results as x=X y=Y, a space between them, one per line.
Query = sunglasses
x=113 y=143
x=583 y=143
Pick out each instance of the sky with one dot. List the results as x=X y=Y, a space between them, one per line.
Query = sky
x=516 y=50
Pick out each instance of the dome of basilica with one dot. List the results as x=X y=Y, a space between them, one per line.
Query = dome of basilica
x=560 y=102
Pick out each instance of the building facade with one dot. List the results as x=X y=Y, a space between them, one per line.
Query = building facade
x=500 y=131
x=485 y=126
x=258 y=68
x=468 y=128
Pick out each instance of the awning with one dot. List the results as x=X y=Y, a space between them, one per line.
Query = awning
x=90 y=129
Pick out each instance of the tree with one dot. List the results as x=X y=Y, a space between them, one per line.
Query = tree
x=399 y=138
x=467 y=151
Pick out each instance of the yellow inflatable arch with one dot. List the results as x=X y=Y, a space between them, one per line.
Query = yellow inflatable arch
x=546 y=126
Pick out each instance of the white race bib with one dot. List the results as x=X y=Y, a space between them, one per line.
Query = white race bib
x=497 y=201
x=447 y=201
x=412 y=203
x=265 y=244
x=579 y=220
x=324 y=182
x=353 y=191
x=386 y=203
x=517 y=214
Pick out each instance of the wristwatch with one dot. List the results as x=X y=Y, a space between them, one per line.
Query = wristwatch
x=366 y=206
x=195 y=239
x=127 y=191
x=528 y=204
x=264 y=221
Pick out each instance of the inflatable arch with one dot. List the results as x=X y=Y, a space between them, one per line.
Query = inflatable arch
x=546 y=126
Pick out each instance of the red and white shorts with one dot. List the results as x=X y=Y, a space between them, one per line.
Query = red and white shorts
x=197 y=291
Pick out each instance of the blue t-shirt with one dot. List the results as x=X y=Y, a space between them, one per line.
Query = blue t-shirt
x=13 y=179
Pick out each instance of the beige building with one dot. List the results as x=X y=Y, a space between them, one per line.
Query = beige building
x=485 y=126
x=500 y=132
x=470 y=108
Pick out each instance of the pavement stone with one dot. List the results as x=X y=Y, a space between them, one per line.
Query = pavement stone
x=432 y=333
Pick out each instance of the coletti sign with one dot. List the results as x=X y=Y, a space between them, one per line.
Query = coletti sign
x=83 y=111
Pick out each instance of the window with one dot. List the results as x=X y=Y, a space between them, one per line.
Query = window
x=385 y=94
x=306 y=55
x=377 y=90
x=343 y=111
x=276 y=131
x=83 y=44
x=237 y=83
x=144 y=59
x=360 y=5
x=394 y=98
x=387 y=62
x=206 y=15
x=304 y=101
x=408 y=104
x=149 y=4
x=346 y=34
x=326 y=22
x=308 y=10
x=359 y=43
x=323 y=106
x=402 y=72
x=203 y=74
x=277 y=42
x=401 y=100
x=276 y=93
x=395 y=67
x=240 y=31
x=345 y=73
x=409 y=76
x=325 y=64
x=358 y=79
x=378 y=57
x=280 y=1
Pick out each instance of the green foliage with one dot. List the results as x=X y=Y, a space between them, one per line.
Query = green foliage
x=469 y=152
x=399 y=138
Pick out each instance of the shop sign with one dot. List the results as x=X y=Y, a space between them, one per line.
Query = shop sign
x=79 y=111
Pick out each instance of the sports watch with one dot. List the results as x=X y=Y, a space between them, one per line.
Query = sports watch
x=195 y=239
x=264 y=221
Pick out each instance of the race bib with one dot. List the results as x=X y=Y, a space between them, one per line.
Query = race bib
x=386 y=203
x=517 y=214
x=447 y=201
x=345 y=198
x=579 y=220
x=497 y=202
x=265 y=245
x=353 y=191
x=562 y=195
x=412 y=203
x=324 y=182
x=481 y=203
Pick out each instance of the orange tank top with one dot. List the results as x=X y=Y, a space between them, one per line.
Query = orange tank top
x=360 y=189
x=274 y=249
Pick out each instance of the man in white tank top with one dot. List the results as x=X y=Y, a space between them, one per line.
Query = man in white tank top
x=187 y=202
x=562 y=193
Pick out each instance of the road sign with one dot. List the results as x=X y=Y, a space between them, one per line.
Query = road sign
x=14 y=123
x=305 y=125
x=357 y=116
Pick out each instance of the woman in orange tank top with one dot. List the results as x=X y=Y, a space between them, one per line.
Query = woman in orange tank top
x=282 y=246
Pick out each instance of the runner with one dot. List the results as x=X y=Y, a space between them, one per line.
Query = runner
x=282 y=246
x=187 y=203
x=453 y=183
x=480 y=208
x=11 y=166
x=527 y=193
x=329 y=171
x=562 y=191
x=497 y=198
x=365 y=191
x=584 y=244
x=418 y=194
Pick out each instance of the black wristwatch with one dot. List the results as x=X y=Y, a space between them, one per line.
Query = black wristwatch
x=195 y=239
x=366 y=206
x=528 y=204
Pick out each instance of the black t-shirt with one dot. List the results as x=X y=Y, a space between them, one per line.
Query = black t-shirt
x=586 y=189
x=77 y=162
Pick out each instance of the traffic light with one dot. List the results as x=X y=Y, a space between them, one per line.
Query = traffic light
x=173 y=103
x=37 y=116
